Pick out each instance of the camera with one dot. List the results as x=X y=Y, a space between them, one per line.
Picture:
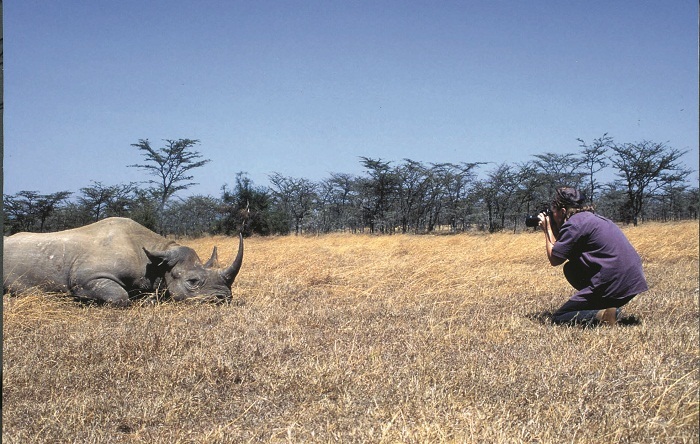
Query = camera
x=534 y=221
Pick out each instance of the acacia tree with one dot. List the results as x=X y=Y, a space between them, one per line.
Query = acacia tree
x=19 y=211
x=593 y=159
x=412 y=180
x=445 y=196
x=377 y=192
x=193 y=216
x=498 y=192
x=245 y=208
x=644 y=167
x=30 y=211
x=171 y=165
x=533 y=193
x=558 y=170
x=101 y=201
x=339 y=195
x=294 y=197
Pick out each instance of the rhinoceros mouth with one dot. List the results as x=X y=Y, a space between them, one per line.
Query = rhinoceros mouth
x=208 y=299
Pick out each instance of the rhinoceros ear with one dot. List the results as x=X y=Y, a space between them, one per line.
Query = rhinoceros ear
x=160 y=258
x=213 y=261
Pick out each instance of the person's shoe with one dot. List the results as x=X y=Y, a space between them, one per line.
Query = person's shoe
x=607 y=316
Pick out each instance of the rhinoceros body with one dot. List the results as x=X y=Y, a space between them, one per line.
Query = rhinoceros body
x=113 y=260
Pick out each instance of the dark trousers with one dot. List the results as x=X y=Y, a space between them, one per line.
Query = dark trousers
x=576 y=311
x=584 y=312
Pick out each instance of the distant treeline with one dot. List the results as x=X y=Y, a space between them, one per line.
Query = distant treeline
x=389 y=197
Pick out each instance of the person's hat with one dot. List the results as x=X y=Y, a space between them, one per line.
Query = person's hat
x=567 y=197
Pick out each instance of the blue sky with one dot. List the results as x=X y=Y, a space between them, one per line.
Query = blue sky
x=304 y=88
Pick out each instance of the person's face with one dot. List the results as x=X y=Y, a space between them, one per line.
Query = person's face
x=558 y=215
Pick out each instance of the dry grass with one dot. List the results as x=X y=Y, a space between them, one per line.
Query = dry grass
x=365 y=339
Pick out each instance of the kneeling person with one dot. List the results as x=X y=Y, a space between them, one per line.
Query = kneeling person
x=602 y=264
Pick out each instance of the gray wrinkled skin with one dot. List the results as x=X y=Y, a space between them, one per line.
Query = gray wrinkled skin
x=113 y=260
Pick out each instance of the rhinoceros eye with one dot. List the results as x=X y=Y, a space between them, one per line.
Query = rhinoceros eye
x=193 y=282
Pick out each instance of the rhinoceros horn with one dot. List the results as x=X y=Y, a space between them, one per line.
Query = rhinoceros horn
x=213 y=261
x=230 y=273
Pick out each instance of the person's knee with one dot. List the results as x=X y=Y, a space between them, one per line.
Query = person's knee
x=576 y=276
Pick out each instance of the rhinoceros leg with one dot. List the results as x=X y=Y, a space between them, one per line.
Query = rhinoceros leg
x=105 y=290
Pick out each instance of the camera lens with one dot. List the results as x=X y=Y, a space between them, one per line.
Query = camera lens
x=532 y=221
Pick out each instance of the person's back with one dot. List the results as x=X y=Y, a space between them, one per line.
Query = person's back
x=601 y=250
x=598 y=260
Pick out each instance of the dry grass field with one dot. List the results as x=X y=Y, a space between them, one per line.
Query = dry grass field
x=357 y=338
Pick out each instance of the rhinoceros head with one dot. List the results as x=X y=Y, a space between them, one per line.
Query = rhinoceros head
x=187 y=277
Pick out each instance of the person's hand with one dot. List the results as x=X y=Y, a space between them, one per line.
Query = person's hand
x=544 y=220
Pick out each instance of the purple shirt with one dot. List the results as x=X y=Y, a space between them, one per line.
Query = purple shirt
x=601 y=256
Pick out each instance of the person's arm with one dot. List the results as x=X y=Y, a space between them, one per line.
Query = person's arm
x=550 y=239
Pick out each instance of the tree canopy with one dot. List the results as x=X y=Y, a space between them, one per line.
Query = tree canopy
x=388 y=197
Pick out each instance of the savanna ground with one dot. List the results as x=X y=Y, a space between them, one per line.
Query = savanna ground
x=355 y=338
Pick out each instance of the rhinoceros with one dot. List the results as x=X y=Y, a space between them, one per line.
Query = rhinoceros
x=113 y=260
